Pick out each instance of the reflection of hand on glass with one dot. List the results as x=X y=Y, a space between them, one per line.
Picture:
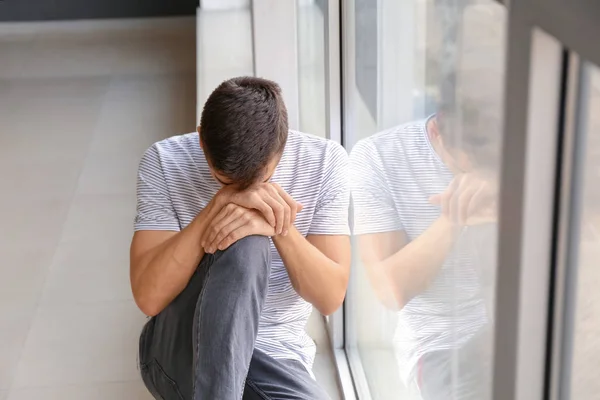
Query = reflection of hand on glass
x=469 y=200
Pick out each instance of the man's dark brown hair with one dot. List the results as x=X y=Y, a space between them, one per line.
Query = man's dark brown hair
x=244 y=124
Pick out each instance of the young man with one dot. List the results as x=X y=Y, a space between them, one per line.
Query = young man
x=424 y=213
x=241 y=229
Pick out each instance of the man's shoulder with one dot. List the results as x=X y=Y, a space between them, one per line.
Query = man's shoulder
x=400 y=143
x=314 y=147
x=174 y=149
x=400 y=135
x=177 y=146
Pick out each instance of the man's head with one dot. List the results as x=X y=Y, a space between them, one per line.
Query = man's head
x=243 y=130
x=469 y=135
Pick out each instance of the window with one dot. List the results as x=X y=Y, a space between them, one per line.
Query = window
x=311 y=19
x=586 y=351
x=423 y=94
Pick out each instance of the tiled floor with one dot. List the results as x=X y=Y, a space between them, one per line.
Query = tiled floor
x=78 y=106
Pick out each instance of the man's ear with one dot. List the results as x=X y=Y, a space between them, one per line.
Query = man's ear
x=200 y=137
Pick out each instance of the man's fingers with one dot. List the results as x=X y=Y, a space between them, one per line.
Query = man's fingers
x=480 y=198
x=293 y=205
x=446 y=198
x=289 y=206
x=436 y=199
x=226 y=231
x=224 y=213
x=464 y=202
x=217 y=227
x=279 y=210
x=266 y=210
x=459 y=187
x=239 y=233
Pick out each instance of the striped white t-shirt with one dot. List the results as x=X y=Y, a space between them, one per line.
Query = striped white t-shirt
x=175 y=184
x=393 y=174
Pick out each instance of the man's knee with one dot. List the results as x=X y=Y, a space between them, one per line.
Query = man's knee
x=249 y=255
x=252 y=245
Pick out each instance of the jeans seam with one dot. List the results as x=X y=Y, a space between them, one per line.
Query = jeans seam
x=168 y=378
x=199 y=304
x=258 y=390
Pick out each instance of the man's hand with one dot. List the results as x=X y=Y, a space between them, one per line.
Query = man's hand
x=278 y=208
x=231 y=224
x=468 y=200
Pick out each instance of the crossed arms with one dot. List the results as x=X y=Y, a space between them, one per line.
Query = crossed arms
x=162 y=262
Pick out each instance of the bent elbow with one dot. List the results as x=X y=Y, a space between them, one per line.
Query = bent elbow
x=149 y=309
x=332 y=306
x=147 y=305
x=326 y=312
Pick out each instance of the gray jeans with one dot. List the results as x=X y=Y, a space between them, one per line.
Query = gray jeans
x=201 y=346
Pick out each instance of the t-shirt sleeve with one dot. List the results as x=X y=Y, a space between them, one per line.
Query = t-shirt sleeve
x=374 y=210
x=331 y=210
x=155 y=210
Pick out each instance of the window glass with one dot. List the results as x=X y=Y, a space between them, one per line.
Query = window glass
x=311 y=17
x=586 y=355
x=423 y=112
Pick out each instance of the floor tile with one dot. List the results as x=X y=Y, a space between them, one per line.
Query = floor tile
x=77 y=277
x=50 y=121
x=324 y=367
x=31 y=225
x=155 y=56
x=15 y=55
x=14 y=327
x=315 y=328
x=81 y=344
x=325 y=372
x=137 y=112
x=40 y=180
x=99 y=217
x=57 y=59
x=22 y=274
x=134 y=390
x=104 y=176
x=72 y=49
x=165 y=106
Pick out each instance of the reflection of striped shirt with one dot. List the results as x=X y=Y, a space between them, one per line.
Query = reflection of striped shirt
x=393 y=174
x=175 y=184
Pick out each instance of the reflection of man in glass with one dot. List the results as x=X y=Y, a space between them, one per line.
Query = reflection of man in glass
x=425 y=204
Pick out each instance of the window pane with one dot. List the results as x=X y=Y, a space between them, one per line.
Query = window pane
x=311 y=19
x=586 y=361
x=423 y=123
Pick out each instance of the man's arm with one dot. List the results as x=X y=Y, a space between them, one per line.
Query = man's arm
x=399 y=270
x=162 y=262
x=318 y=267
